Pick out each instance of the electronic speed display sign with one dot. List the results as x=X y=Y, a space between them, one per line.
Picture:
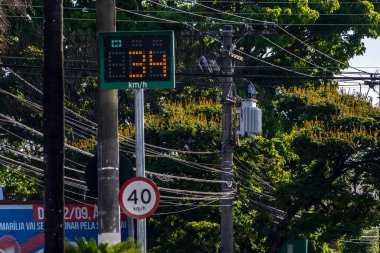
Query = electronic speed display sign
x=137 y=60
x=139 y=197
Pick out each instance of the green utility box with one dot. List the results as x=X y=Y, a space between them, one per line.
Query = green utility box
x=295 y=246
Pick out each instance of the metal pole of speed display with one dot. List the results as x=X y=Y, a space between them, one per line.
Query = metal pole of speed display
x=140 y=158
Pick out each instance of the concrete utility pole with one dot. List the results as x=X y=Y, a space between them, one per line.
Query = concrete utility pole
x=227 y=142
x=140 y=158
x=108 y=144
x=54 y=129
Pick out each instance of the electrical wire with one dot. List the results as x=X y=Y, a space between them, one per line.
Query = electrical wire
x=227 y=22
x=42 y=59
x=131 y=20
x=196 y=193
x=15 y=152
x=147 y=16
x=282 y=29
x=200 y=1
x=299 y=76
x=164 y=203
x=197 y=66
x=40 y=6
x=267 y=2
x=287 y=51
x=271 y=208
x=318 y=51
x=255 y=191
x=24 y=81
x=36 y=180
x=176 y=191
x=272 y=218
x=189 y=164
x=41 y=171
x=182 y=151
x=194 y=198
x=185 y=210
x=358 y=242
x=272 y=64
x=38 y=109
x=184 y=177
x=27 y=141
x=15 y=135
x=250 y=13
x=196 y=15
x=275 y=78
x=166 y=150
x=245 y=180
x=167 y=176
x=252 y=171
x=39 y=134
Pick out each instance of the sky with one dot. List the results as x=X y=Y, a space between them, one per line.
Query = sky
x=369 y=62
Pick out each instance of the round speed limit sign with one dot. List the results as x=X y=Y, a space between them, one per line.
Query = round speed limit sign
x=139 y=197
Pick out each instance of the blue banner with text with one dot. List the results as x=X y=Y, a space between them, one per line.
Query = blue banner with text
x=22 y=225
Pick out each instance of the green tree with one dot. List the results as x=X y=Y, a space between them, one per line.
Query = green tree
x=332 y=182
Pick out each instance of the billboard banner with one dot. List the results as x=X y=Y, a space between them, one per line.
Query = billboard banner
x=22 y=225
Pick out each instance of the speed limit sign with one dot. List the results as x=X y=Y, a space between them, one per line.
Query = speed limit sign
x=139 y=197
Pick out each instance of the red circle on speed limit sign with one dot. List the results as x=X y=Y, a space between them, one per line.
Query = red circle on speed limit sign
x=139 y=197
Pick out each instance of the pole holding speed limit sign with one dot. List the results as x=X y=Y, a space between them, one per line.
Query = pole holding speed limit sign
x=139 y=197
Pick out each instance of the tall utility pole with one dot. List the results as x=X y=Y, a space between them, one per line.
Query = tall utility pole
x=54 y=129
x=140 y=158
x=227 y=142
x=108 y=144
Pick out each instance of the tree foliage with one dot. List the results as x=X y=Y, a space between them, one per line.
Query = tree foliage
x=331 y=192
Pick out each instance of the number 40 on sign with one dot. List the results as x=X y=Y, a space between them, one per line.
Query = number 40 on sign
x=139 y=197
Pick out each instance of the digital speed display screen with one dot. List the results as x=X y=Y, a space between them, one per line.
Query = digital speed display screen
x=137 y=60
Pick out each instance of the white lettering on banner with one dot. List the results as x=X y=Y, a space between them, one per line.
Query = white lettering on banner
x=84 y=225
x=39 y=226
x=69 y=225
x=88 y=225
x=30 y=225
x=71 y=213
x=40 y=213
x=13 y=226
x=95 y=216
